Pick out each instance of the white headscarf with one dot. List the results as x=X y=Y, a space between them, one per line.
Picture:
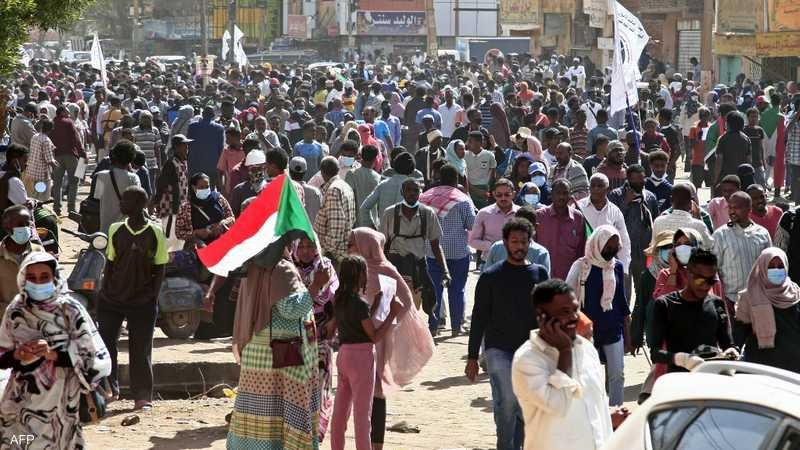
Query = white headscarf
x=592 y=257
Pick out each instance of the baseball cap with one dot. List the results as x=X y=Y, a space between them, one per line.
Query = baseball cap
x=427 y=116
x=255 y=157
x=537 y=167
x=180 y=139
x=298 y=165
x=761 y=99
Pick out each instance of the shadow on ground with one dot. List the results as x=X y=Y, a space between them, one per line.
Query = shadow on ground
x=448 y=382
x=196 y=438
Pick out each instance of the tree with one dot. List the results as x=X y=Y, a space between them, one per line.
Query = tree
x=18 y=16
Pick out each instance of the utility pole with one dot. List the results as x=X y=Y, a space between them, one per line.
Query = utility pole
x=204 y=26
x=352 y=18
x=232 y=27
x=430 y=20
x=134 y=27
x=706 y=32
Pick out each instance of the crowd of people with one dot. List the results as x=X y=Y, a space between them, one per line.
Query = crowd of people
x=413 y=173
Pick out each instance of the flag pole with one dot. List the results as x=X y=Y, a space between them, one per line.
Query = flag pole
x=632 y=124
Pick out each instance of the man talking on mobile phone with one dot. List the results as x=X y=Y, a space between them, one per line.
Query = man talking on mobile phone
x=558 y=379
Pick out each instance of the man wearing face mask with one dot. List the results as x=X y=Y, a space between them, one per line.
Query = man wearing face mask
x=409 y=227
x=256 y=164
x=639 y=208
x=348 y=152
x=17 y=225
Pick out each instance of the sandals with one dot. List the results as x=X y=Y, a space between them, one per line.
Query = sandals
x=144 y=405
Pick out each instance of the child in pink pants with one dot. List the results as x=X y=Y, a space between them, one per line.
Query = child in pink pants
x=355 y=363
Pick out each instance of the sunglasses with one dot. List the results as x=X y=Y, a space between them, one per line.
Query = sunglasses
x=700 y=280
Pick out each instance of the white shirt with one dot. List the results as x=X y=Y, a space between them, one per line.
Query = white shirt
x=591 y=108
x=449 y=118
x=609 y=215
x=16 y=190
x=679 y=218
x=561 y=411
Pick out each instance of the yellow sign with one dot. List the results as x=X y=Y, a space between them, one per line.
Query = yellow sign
x=519 y=12
x=776 y=45
x=735 y=44
x=784 y=15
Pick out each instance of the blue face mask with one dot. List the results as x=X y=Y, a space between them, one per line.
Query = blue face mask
x=347 y=161
x=41 y=291
x=532 y=199
x=21 y=235
x=776 y=276
x=202 y=194
x=539 y=180
x=664 y=254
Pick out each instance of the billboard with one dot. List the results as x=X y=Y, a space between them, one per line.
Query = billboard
x=519 y=12
x=735 y=16
x=391 y=5
x=387 y=23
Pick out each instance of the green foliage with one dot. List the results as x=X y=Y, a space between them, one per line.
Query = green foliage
x=17 y=16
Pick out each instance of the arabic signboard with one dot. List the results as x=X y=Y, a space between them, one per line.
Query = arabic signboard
x=519 y=12
x=735 y=44
x=605 y=43
x=735 y=16
x=597 y=11
x=558 y=6
x=784 y=15
x=373 y=23
x=776 y=45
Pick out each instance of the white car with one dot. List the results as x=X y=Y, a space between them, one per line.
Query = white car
x=721 y=405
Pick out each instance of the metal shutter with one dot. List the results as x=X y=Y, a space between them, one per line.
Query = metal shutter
x=688 y=46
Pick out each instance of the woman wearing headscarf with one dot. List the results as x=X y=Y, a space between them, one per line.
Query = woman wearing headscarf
x=348 y=131
x=367 y=133
x=456 y=150
x=408 y=346
x=498 y=127
x=598 y=279
x=277 y=405
x=398 y=109
x=181 y=123
x=201 y=220
x=55 y=354
x=768 y=313
x=309 y=263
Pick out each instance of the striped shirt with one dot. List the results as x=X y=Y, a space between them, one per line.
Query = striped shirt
x=336 y=217
x=737 y=249
x=679 y=218
x=793 y=141
x=149 y=142
x=455 y=230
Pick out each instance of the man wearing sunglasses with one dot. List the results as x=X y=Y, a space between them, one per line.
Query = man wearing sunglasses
x=686 y=319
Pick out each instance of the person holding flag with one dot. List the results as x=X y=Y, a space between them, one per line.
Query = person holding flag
x=274 y=338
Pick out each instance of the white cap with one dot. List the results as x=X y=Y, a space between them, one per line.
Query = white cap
x=348 y=84
x=255 y=157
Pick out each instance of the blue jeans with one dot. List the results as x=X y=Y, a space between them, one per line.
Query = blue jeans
x=459 y=269
x=615 y=372
x=507 y=414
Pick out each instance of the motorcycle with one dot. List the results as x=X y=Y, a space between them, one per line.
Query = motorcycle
x=85 y=280
x=180 y=300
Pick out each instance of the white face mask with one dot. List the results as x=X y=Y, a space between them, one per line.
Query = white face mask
x=346 y=161
x=683 y=253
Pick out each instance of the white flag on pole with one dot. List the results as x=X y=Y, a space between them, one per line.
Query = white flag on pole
x=97 y=60
x=238 y=51
x=630 y=38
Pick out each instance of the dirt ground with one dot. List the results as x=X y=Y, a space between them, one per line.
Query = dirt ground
x=450 y=412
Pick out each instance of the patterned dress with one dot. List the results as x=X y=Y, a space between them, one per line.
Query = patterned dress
x=42 y=399
x=323 y=313
x=278 y=409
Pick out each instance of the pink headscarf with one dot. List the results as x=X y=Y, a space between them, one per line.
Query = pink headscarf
x=756 y=302
x=409 y=345
x=367 y=133
x=535 y=148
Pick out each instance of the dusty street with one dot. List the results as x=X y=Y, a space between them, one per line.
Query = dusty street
x=448 y=410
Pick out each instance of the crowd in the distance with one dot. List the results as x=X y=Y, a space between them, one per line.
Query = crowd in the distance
x=413 y=172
